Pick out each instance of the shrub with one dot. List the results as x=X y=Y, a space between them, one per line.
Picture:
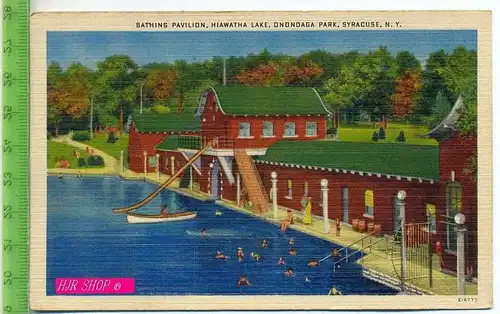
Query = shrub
x=381 y=134
x=112 y=138
x=375 y=137
x=63 y=164
x=49 y=136
x=95 y=160
x=160 y=109
x=401 y=137
x=331 y=131
x=81 y=162
x=81 y=136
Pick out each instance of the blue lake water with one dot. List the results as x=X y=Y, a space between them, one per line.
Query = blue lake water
x=85 y=239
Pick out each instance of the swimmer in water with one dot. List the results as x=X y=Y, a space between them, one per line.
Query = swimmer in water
x=60 y=176
x=243 y=281
x=335 y=252
x=291 y=242
x=281 y=261
x=218 y=213
x=220 y=255
x=257 y=257
x=79 y=175
x=308 y=279
x=240 y=254
x=312 y=263
x=264 y=243
x=292 y=251
x=204 y=232
x=289 y=272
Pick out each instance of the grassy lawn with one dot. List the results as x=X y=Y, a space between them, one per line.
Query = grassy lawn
x=100 y=142
x=363 y=133
x=60 y=151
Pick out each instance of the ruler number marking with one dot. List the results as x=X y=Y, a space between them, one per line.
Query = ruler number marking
x=7 y=81
x=7 y=12
x=7 y=179
x=7 y=112
x=6 y=146
x=7 y=214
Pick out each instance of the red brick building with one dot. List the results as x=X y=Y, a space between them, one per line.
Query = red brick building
x=282 y=130
x=457 y=188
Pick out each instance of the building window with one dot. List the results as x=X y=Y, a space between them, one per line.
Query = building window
x=267 y=129
x=290 y=129
x=152 y=160
x=369 y=203
x=431 y=217
x=453 y=207
x=311 y=129
x=244 y=129
x=289 y=188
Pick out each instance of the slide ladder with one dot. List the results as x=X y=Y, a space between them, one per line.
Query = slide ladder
x=163 y=186
x=252 y=181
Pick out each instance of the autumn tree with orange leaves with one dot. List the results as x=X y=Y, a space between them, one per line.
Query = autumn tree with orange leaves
x=162 y=83
x=262 y=75
x=279 y=74
x=406 y=93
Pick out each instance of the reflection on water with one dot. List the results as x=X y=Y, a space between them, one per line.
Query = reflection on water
x=85 y=239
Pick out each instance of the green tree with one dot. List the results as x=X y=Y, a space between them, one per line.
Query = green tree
x=433 y=84
x=116 y=84
x=188 y=79
x=406 y=62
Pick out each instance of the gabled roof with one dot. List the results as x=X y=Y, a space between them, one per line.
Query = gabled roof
x=261 y=101
x=169 y=122
x=397 y=159
x=448 y=126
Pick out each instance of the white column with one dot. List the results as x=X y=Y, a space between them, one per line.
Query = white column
x=158 y=166
x=191 y=177
x=172 y=165
x=274 y=194
x=460 y=229
x=401 y=198
x=145 y=164
x=121 y=162
x=238 y=189
x=324 y=193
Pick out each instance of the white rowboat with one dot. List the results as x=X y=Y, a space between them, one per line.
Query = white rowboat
x=145 y=218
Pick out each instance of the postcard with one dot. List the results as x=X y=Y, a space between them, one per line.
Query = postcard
x=261 y=160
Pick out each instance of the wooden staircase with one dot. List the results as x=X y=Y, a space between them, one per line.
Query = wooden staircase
x=252 y=182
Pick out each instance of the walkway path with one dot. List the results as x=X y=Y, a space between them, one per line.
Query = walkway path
x=110 y=163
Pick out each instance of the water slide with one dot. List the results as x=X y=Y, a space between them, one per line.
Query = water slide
x=163 y=186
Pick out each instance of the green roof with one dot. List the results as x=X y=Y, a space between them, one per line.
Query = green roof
x=251 y=100
x=169 y=143
x=386 y=158
x=169 y=122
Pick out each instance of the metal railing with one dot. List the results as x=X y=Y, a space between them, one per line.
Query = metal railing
x=348 y=246
x=362 y=250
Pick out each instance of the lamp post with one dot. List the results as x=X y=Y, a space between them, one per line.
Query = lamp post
x=274 y=194
x=324 y=193
x=401 y=197
x=460 y=230
x=141 y=84
x=145 y=164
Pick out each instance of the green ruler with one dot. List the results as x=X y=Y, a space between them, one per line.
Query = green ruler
x=15 y=151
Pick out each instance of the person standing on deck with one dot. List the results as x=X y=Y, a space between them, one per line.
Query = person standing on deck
x=306 y=205
x=337 y=227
